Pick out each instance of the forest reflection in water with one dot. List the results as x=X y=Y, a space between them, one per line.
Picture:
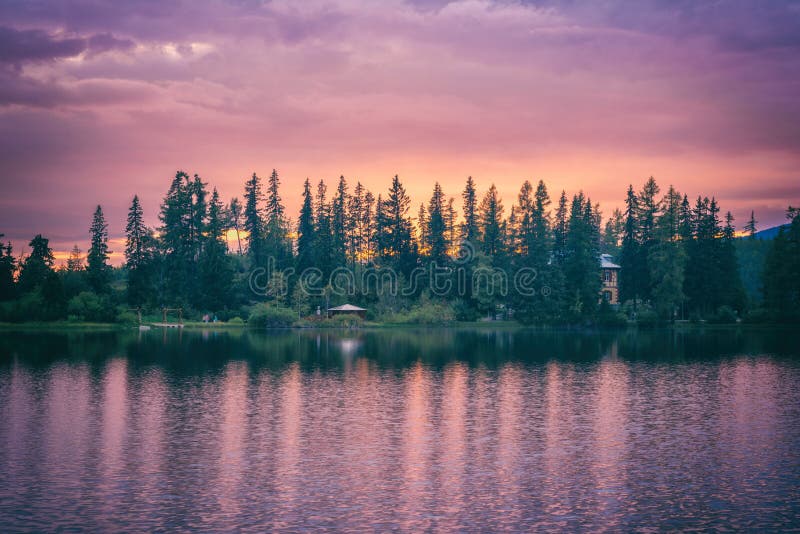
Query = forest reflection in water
x=412 y=429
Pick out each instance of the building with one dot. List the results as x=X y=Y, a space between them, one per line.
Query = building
x=347 y=309
x=610 y=276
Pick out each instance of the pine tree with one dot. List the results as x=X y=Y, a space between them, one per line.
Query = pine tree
x=305 y=230
x=139 y=255
x=469 y=230
x=324 y=237
x=560 y=227
x=7 y=267
x=750 y=227
x=75 y=261
x=613 y=232
x=436 y=230
x=216 y=273
x=37 y=266
x=630 y=280
x=491 y=223
x=667 y=258
x=582 y=262
x=339 y=223
x=649 y=207
x=97 y=269
x=253 y=223
x=276 y=242
x=782 y=272
x=234 y=216
x=395 y=238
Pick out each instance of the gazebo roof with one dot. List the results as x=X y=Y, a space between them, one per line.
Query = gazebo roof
x=347 y=307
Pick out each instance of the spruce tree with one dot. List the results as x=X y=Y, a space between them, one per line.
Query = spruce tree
x=469 y=230
x=139 y=255
x=324 y=238
x=234 y=215
x=667 y=258
x=436 y=230
x=97 y=268
x=491 y=223
x=253 y=222
x=7 y=267
x=560 y=227
x=37 y=266
x=339 y=223
x=305 y=230
x=216 y=273
x=630 y=280
x=781 y=275
x=750 y=227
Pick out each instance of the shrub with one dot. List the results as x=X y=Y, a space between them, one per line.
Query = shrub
x=647 y=318
x=723 y=315
x=271 y=316
x=236 y=320
x=87 y=306
x=127 y=318
x=428 y=313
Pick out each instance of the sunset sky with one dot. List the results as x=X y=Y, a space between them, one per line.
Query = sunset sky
x=102 y=100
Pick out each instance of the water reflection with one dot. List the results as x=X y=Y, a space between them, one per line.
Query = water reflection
x=408 y=430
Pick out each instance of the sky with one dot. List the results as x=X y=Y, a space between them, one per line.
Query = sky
x=103 y=100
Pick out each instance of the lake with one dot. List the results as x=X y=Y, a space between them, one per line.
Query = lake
x=438 y=429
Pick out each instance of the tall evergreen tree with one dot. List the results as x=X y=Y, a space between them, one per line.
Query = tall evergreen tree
x=216 y=273
x=491 y=223
x=469 y=230
x=234 y=214
x=139 y=255
x=339 y=222
x=37 y=266
x=394 y=241
x=612 y=234
x=582 y=262
x=667 y=258
x=630 y=283
x=276 y=239
x=782 y=272
x=8 y=266
x=750 y=227
x=560 y=227
x=75 y=261
x=305 y=230
x=253 y=222
x=98 y=269
x=436 y=230
x=324 y=235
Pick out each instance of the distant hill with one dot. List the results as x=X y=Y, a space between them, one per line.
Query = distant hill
x=769 y=233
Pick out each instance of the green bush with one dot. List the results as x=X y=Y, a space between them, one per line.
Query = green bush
x=271 y=316
x=723 y=315
x=428 y=313
x=127 y=318
x=647 y=318
x=236 y=320
x=87 y=306
x=612 y=319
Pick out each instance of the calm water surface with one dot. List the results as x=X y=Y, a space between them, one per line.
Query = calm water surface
x=410 y=430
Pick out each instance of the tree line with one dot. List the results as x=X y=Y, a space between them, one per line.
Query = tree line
x=678 y=257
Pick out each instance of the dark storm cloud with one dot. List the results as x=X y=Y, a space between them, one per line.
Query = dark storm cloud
x=21 y=46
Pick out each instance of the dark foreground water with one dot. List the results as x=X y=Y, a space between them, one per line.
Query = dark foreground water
x=409 y=430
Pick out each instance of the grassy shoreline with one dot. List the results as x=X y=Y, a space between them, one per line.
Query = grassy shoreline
x=493 y=325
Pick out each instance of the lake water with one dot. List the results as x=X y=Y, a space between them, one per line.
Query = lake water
x=404 y=429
